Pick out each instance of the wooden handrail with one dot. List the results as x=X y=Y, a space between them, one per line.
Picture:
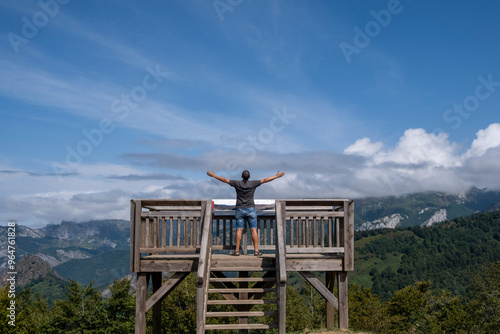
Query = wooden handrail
x=204 y=266
x=205 y=249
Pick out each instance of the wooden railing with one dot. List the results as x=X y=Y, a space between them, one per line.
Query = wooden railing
x=224 y=230
x=309 y=226
x=320 y=226
x=165 y=226
x=202 y=281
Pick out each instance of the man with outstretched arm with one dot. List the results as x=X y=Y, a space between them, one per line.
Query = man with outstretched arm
x=245 y=205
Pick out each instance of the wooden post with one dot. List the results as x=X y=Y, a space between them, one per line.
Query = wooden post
x=280 y=209
x=343 y=300
x=349 y=235
x=243 y=296
x=156 y=278
x=330 y=309
x=141 y=295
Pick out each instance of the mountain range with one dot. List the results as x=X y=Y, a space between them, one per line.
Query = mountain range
x=99 y=250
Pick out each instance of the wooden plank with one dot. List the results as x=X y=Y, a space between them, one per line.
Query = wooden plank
x=313 y=265
x=314 y=202
x=337 y=231
x=168 y=266
x=242 y=314
x=132 y=235
x=314 y=214
x=186 y=231
x=315 y=232
x=322 y=227
x=163 y=224
x=243 y=302
x=349 y=236
x=178 y=231
x=242 y=279
x=171 y=231
x=316 y=283
x=241 y=326
x=171 y=202
x=240 y=290
x=163 y=291
x=174 y=249
x=172 y=208
x=205 y=245
x=140 y=303
x=156 y=282
x=204 y=266
x=157 y=231
x=282 y=308
x=343 y=300
x=309 y=208
x=330 y=233
x=320 y=250
x=330 y=309
x=280 y=241
x=137 y=236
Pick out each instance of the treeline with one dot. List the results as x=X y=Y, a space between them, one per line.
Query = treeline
x=447 y=254
x=417 y=308
x=443 y=279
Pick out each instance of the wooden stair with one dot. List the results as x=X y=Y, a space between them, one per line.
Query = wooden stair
x=241 y=293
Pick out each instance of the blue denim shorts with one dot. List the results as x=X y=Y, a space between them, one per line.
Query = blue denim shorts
x=246 y=214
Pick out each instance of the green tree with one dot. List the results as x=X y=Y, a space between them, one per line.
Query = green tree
x=120 y=308
x=32 y=312
x=484 y=300
x=366 y=310
x=407 y=307
x=83 y=311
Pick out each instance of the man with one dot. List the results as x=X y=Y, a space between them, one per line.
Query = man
x=245 y=205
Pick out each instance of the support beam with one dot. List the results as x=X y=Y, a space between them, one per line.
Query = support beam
x=243 y=296
x=281 y=308
x=318 y=285
x=140 y=304
x=156 y=281
x=165 y=289
x=330 y=309
x=343 y=300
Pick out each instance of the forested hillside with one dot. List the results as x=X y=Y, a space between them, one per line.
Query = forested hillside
x=447 y=254
x=440 y=279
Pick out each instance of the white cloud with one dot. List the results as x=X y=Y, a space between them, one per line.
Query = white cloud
x=364 y=147
x=419 y=161
x=486 y=139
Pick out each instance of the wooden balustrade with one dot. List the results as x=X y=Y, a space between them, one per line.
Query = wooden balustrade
x=310 y=226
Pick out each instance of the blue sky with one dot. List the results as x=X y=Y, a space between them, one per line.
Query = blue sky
x=104 y=101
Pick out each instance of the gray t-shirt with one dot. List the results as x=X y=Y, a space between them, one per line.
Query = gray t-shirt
x=244 y=192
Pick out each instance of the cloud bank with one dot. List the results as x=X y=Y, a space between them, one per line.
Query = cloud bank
x=419 y=161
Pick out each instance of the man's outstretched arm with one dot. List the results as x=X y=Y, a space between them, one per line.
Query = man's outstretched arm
x=274 y=177
x=220 y=178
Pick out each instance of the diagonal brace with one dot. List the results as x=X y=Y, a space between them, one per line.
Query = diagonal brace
x=320 y=287
x=166 y=288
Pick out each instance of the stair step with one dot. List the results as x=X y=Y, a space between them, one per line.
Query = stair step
x=249 y=268
x=238 y=290
x=242 y=314
x=240 y=326
x=242 y=279
x=242 y=302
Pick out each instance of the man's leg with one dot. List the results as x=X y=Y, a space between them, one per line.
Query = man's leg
x=255 y=239
x=240 y=224
x=239 y=232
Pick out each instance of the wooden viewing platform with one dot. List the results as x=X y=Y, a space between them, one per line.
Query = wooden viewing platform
x=183 y=236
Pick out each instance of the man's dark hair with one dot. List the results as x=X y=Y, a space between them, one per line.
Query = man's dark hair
x=245 y=175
